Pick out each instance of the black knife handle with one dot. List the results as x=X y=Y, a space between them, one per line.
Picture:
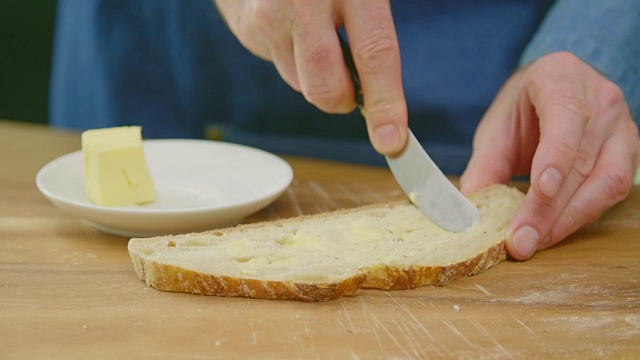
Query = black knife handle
x=348 y=60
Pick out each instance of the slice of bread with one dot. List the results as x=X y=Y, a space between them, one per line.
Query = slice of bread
x=325 y=256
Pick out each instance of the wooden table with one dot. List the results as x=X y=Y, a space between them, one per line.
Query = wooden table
x=69 y=291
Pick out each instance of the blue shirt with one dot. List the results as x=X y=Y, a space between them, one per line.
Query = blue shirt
x=173 y=67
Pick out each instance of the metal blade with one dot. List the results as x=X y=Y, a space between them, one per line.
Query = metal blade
x=430 y=190
x=418 y=175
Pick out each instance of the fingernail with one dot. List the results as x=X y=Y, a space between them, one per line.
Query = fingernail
x=524 y=241
x=550 y=182
x=386 y=138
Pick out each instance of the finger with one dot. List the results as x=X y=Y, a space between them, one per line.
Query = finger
x=533 y=221
x=493 y=158
x=531 y=224
x=499 y=150
x=608 y=184
x=563 y=117
x=251 y=34
x=281 y=53
x=263 y=28
x=322 y=75
x=372 y=36
x=573 y=129
x=563 y=110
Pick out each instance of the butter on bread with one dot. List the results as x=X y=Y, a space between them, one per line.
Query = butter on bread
x=329 y=255
x=115 y=170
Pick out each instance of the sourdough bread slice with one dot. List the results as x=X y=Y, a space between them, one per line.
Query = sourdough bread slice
x=325 y=256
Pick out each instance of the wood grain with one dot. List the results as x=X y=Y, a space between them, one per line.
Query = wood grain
x=69 y=291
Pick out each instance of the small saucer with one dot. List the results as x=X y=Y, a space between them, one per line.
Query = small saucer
x=200 y=185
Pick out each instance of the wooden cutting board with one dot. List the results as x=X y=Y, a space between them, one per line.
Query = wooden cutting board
x=69 y=291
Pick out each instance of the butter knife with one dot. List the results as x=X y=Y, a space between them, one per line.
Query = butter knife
x=420 y=178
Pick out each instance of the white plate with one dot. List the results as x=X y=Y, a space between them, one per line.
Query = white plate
x=200 y=185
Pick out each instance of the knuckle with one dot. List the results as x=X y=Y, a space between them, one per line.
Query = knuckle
x=263 y=14
x=320 y=88
x=560 y=62
x=564 y=149
x=551 y=77
x=558 y=65
x=567 y=158
x=325 y=97
x=617 y=184
x=585 y=161
x=575 y=106
x=566 y=58
x=319 y=58
x=563 y=102
x=571 y=221
x=376 y=52
x=384 y=108
x=255 y=24
x=611 y=95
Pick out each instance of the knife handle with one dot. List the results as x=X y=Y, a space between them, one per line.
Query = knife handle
x=351 y=66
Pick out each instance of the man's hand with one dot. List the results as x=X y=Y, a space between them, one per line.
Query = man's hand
x=299 y=37
x=570 y=128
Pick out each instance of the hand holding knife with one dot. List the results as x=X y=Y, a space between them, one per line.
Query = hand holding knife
x=420 y=178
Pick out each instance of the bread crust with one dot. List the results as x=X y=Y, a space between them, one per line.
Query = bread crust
x=395 y=278
x=383 y=276
x=172 y=278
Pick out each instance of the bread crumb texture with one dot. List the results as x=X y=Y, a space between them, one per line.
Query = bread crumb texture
x=326 y=256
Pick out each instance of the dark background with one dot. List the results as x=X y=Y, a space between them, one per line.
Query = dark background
x=26 y=34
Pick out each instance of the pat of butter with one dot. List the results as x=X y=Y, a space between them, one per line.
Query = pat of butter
x=413 y=197
x=115 y=170
x=364 y=232
x=257 y=265
x=302 y=239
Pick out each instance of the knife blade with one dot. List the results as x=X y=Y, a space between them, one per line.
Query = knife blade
x=419 y=177
x=429 y=189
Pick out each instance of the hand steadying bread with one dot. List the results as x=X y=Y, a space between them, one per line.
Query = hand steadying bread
x=325 y=256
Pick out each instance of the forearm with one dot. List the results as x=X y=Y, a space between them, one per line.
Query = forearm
x=604 y=34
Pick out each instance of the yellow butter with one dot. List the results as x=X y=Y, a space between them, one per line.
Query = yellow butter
x=301 y=238
x=115 y=170
x=364 y=232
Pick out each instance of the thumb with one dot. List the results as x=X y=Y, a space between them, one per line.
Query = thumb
x=499 y=151
x=488 y=165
